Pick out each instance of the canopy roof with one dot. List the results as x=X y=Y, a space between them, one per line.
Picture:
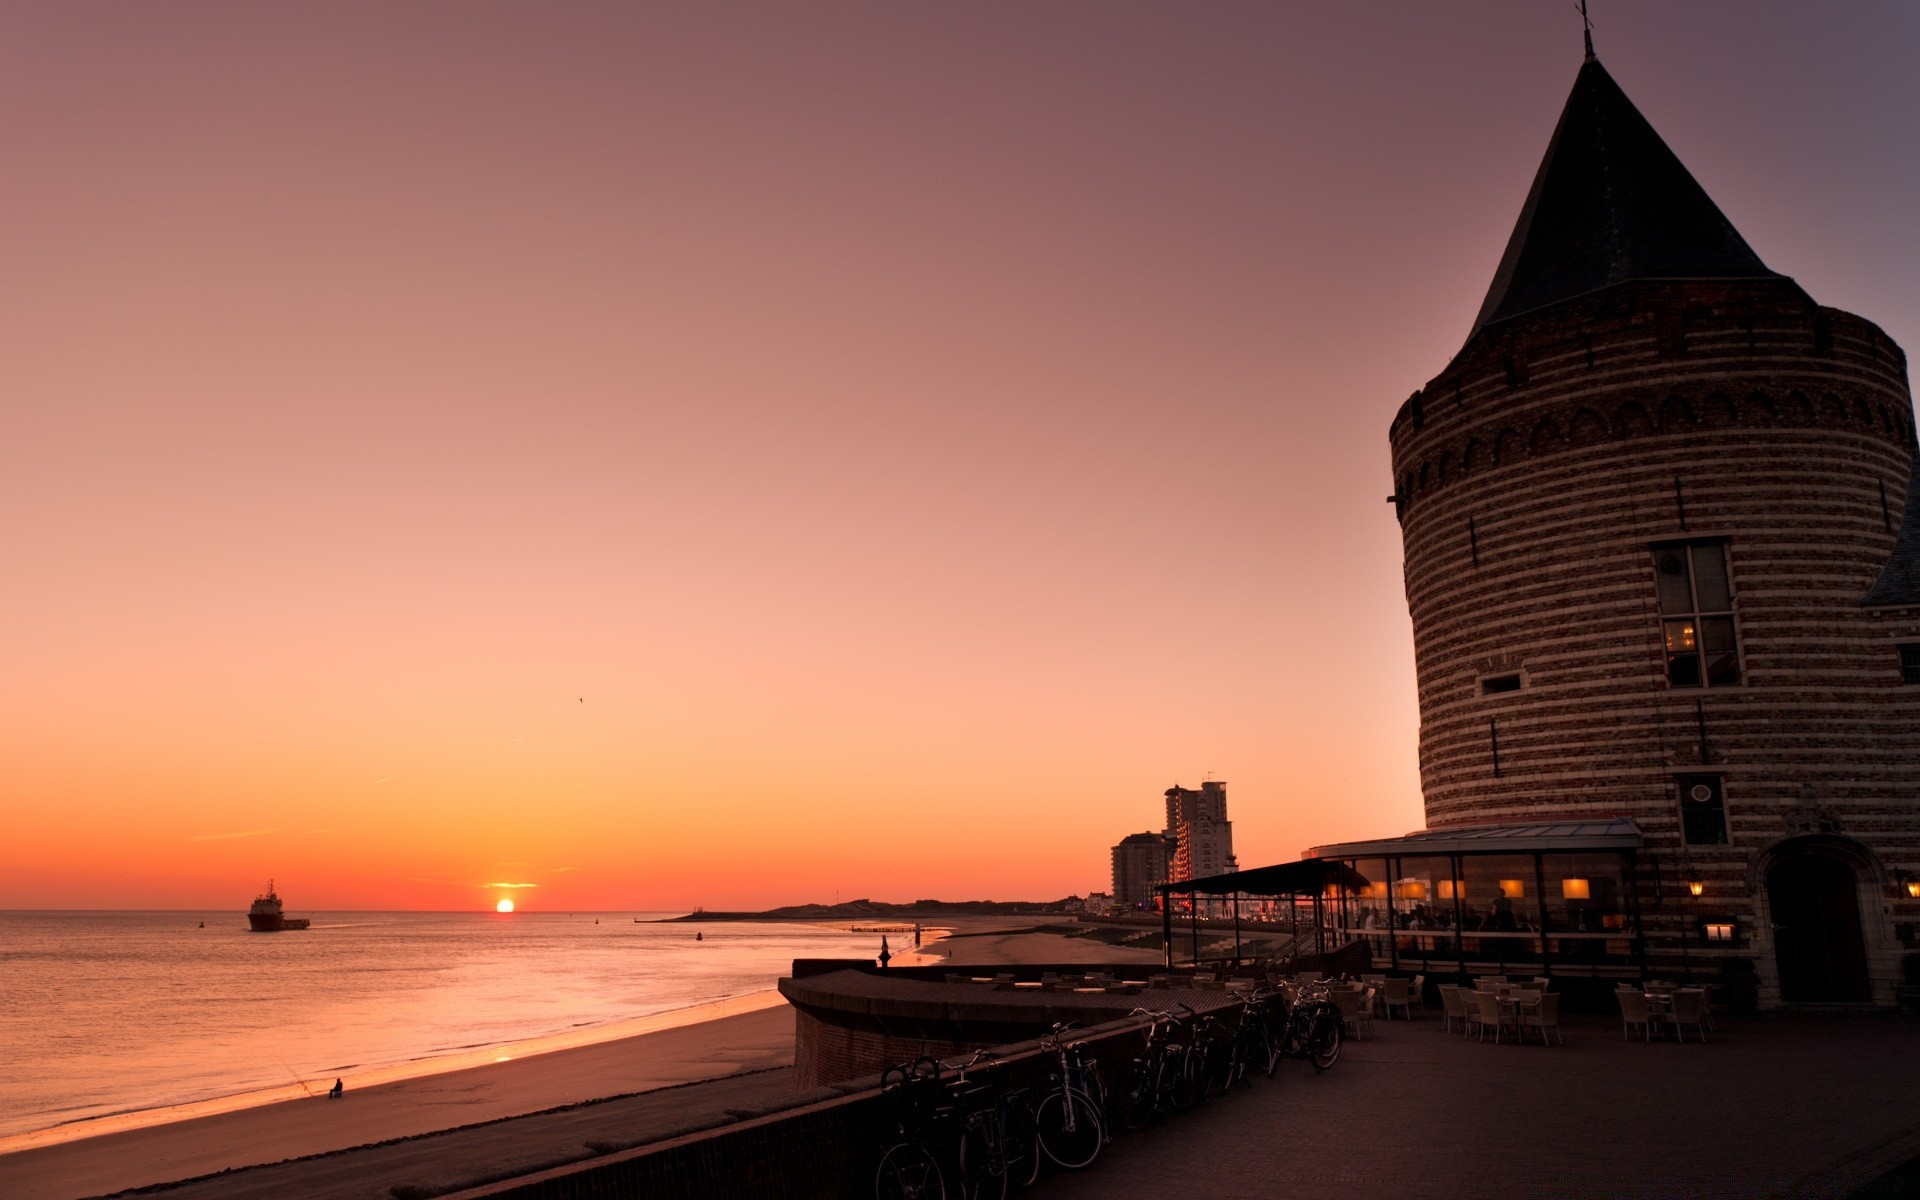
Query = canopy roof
x=1308 y=877
x=1610 y=835
x=1610 y=203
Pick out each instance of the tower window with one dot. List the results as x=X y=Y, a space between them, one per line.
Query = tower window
x=1910 y=663
x=1494 y=685
x=1696 y=614
x=1703 y=810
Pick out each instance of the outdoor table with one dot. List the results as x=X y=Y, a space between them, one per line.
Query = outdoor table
x=1511 y=1004
x=1659 y=1004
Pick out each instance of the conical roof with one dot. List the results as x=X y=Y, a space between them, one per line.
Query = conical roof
x=1610 y=203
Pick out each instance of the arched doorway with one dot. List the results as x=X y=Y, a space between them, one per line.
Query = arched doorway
x=1816 y=930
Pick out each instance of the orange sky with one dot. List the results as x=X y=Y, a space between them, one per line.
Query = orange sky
x=736 y=455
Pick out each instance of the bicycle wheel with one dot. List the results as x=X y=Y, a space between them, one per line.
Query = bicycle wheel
x=982 y=1169
x=1324 y=1050
x=1069 y=1126
x=1190 y=1080
x=909 y=1171
x=1136 y=1098
x=1021 y=1144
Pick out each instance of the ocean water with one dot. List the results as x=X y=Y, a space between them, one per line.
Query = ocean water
x=114 y=1012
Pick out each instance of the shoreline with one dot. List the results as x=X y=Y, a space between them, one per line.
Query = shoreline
x=743 y=1038
x=107 y=1124
x=80 y=1121
x=519 y=1093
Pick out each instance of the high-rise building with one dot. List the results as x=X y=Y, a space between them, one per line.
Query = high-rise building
x=1202 y=836
x=1665 y=603
x=1139 y=862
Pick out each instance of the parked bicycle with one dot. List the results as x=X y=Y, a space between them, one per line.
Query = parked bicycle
x=957 y=1134
x=1314 y=1027
x=1068 y=1117
x=1147 y=1083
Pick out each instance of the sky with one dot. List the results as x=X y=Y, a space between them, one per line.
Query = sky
x=682 y=455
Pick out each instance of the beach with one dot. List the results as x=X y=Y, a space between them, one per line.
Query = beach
x=746 y=1044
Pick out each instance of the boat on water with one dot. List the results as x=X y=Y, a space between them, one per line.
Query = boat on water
x=266 y=915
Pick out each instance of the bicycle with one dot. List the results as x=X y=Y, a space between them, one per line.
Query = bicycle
x=1067 y=1118
x=1255 y=1047
x=1314 y=1028
x=1146 y=1086
x=998 y=1140
x=910 y=1168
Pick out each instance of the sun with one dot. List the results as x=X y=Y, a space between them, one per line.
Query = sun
x=504 y=906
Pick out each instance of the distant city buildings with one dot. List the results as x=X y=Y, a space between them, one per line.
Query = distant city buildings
x=1202 y=836
x=1140 y=861
x=1197 y=842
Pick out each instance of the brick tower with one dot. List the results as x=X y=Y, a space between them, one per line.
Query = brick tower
x=1658 y=568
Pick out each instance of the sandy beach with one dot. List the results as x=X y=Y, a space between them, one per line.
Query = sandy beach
x=730 y=1038
x=750 y=1034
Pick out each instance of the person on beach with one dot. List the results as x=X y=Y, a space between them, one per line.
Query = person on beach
x=338 y=1089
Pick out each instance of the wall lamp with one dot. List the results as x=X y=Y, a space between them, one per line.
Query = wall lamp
x=1696 y=887
x=1906 y=879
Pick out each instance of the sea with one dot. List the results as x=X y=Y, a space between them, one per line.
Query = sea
x=107 y=1013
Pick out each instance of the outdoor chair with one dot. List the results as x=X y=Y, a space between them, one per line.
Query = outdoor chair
x=1487 y=1015
x=1003 y=977
x=1395 y=996
x=1418 y=990
x=1159 y=981
x=1634 y=1011
x=1200 y=977
x=1049 y=977
x=1489 y=983
x=1543 y=1014
x=1356 y=1008
x=1453 y=1007
x=1546 y=985
x=1689 y=1008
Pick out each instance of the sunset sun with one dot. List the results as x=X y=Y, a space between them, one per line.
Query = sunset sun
x=504 y=906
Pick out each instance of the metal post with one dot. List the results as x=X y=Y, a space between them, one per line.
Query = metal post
x=1540 y=885
x=1639 y=933
x=1459 y=915
x=1193 y=926
x=1236 y=931
x=1166 y=927
x=1393 y=943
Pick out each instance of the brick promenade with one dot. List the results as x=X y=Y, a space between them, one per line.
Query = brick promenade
x=1782 y=1105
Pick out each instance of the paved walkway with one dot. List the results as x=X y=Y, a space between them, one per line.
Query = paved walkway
x=1782 y=1105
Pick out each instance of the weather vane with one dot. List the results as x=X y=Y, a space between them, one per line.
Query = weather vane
x=1586 y=28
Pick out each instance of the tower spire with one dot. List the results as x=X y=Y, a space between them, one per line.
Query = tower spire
x=1586 y=29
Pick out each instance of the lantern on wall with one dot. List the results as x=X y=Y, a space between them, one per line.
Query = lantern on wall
x=1696 y=887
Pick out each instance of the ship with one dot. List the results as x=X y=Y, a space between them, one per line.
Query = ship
x=266 y=916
